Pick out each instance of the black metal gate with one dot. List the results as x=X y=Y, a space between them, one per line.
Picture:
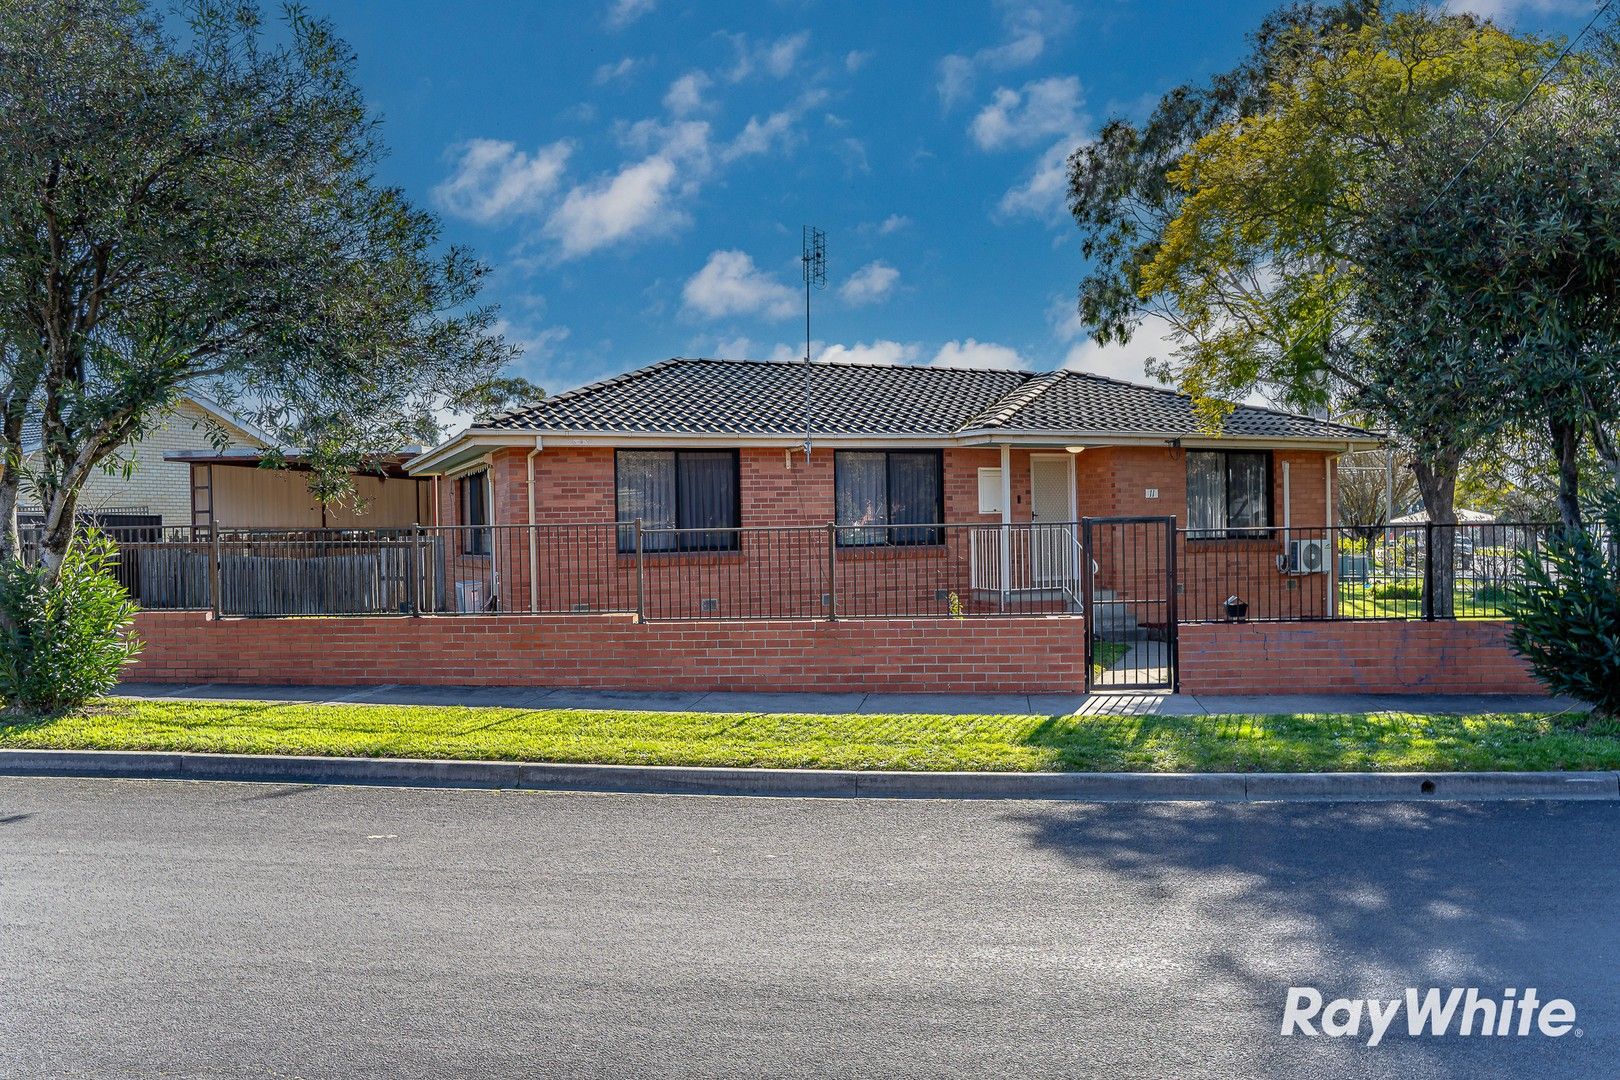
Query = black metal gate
x=1128 y=583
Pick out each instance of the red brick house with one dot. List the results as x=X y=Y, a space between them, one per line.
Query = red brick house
x=914 y=467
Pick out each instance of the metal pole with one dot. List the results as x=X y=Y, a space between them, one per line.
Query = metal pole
x=832 y=572
x=214 y=569
x=412 y=567
x=641 y=577
x=1428 y=571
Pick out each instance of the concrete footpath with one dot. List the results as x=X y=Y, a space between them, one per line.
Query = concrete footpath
x=1102 y=704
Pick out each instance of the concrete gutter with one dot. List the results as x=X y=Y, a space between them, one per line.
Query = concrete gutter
x=817 y=783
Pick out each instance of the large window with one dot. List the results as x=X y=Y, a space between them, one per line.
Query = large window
x=888 y=494
x=694 y=491
x=473 y=495
x=1228 y=493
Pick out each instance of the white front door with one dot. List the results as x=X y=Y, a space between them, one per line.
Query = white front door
x=1053 y=536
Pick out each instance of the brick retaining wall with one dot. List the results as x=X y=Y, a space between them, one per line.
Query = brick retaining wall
x=1465 y=657
x=1002 y=655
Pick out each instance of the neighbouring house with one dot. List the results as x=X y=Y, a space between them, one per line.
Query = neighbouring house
x=235 y=489
x=156 y=493
x=965 y=486
x=181 y=477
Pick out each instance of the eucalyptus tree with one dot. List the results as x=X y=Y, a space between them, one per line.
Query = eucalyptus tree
x=190 y=202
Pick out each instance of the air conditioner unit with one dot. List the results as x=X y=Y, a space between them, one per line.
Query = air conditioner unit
x=1307 y=556
x=470 y=596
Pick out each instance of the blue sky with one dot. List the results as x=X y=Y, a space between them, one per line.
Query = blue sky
x=638 y=171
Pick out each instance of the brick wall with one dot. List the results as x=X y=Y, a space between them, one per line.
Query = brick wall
x=1352 y=657
x=785 y=573
x=1012 y=655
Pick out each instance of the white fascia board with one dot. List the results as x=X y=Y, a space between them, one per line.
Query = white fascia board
x=471 y=443
x=992 y=436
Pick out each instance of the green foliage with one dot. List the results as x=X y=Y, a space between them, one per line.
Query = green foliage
x=1398 y=590
x=1566 y=619
x=190 y=203
x=63 y=642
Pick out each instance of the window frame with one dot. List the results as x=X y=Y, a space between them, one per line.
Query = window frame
x=1227 y=531
x=476 y=537
x=626 y=544
x=935 y=531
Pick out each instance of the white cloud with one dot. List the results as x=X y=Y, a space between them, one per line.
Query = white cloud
x=625 y=12
x=893 y=223
x=730 y=284
x=614 y=72
x=685 y=94
x=977 y=354
x=776 y=131
x=1064 y=315
x=493 y=179
x=635 y=200
x=758 y=136
x=1126 y=361
x=737 y=348
x=856 y=59
x=1507 y=11
x=1028 y=27
x=870 y=283
x=881 y=352
x=776 y=59
x=1044 y=193
x=1043 y=108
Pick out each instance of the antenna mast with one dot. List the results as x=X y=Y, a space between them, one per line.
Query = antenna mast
x=814 y=259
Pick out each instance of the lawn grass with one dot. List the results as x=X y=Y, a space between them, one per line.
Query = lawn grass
x=1359 y=602
x=1378 y=741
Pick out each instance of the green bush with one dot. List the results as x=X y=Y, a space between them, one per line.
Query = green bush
x=1495 y=595
x=1398 y=590
x=1566 y=620
x=63 y=644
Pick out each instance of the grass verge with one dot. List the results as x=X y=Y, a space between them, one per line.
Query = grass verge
x=1296 y=743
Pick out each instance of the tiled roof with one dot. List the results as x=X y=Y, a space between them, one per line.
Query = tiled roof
x=33 y=437
x=755 y=397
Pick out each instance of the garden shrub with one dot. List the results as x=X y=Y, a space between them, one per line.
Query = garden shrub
x=1494 y=595
x=1398 y=590
x=1565 y=608
x=64 y=644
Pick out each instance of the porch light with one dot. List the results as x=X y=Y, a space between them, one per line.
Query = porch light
x=1074 y=449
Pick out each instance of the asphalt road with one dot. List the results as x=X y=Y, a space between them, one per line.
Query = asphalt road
x=221 y=930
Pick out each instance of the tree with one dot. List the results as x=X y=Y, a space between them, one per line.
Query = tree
x=201 y=212
x=1503 y=269
x=1252 y=259
x=1368 y=484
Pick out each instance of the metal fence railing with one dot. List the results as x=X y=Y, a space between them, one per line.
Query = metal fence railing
x=826 y=571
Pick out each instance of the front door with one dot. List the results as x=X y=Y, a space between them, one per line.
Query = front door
x=1053 y=543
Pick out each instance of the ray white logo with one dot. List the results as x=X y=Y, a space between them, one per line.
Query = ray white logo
x=1507 y=1014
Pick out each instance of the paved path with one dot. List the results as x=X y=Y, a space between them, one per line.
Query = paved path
x=222 y=930
x=945 y=704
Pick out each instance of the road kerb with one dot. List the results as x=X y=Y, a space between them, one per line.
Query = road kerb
x=816 y=783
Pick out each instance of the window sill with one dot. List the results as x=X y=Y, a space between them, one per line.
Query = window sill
x=628 y=558
x=891 y=551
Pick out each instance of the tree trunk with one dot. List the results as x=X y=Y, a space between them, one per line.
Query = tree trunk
x=1437 y=484
x=56 y=536
x=1566 y=439
x=10 y=540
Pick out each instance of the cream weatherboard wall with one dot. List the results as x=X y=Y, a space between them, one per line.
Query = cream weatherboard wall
x=253 y=498
x=156 y=486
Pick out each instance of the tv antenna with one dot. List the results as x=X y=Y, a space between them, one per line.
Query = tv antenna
x=814 y=259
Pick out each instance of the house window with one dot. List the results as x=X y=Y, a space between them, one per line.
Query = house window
x=1228 y=493
x=888 y=493
x=473 y=494
x=687 y=500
